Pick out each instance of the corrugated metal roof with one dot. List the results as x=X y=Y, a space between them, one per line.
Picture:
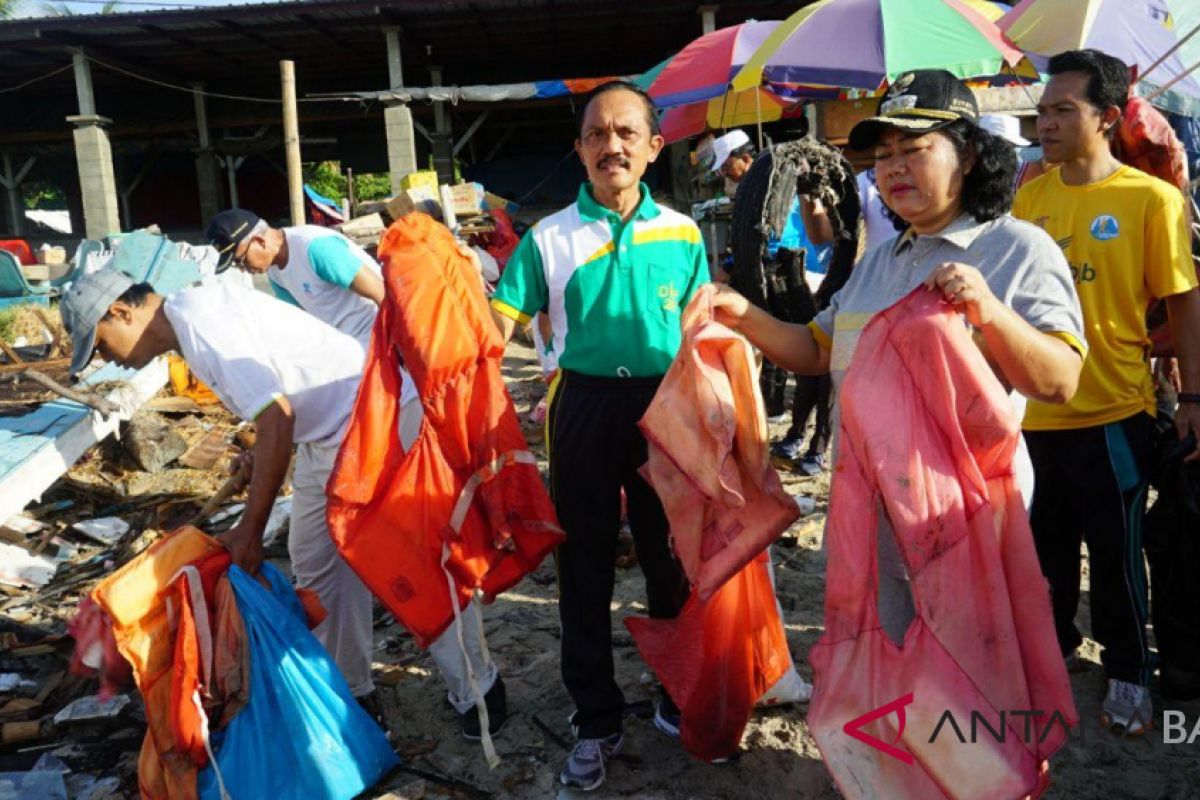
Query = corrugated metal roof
x=337 y=47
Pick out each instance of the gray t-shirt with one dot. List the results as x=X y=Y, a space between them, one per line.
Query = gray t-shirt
x=1022 y=265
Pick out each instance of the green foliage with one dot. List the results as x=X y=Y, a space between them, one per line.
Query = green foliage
x=8 y=319
x=44 y=194
x=326 y=178
x=7 y=7
x=372 y=186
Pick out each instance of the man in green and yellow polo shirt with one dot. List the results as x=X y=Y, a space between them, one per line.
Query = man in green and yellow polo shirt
x=614 y=271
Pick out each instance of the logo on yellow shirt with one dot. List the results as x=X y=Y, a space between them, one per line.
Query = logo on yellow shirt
x=1082 y=273
x=670 y=297
x=1105 y=227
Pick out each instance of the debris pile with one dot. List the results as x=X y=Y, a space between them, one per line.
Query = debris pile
x=59 y=736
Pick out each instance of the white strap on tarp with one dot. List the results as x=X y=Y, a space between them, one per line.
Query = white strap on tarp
x=195 y=588
x=212 y=758
x=482 y=475
x=485 y=732
x=459 y=515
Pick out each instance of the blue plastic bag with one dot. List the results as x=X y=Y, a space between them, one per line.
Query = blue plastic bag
x=302 y=735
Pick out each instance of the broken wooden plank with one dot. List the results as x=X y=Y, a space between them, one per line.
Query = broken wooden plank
x=46 y=382
x=36 y=449
x=44 y=364
x=207 y=451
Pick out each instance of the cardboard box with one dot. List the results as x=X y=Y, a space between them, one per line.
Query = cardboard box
x=468 y=199
x=424 y=179
x=51 y=255
x=416 y=199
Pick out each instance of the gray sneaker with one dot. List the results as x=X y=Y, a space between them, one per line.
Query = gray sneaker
x=812 y=464
x=1127 y=709
x=584 y=769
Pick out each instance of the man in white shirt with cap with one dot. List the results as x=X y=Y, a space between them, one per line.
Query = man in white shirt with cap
x=296 y=378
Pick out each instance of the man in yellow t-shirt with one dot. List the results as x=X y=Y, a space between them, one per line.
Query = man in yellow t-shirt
x=1125 y=236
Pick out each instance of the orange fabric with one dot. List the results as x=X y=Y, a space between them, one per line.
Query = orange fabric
x=1146 y=141
x=229 y=688
x=717 y=658
x=585 y=85
x=708 y=457
x=708 y=462
x=314 y=612
x=927 y=437
x=133 y=597
x=209 y=635
x=469 y=482
x=186 y=384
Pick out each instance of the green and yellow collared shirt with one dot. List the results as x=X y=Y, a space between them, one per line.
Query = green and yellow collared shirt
x=615 y=290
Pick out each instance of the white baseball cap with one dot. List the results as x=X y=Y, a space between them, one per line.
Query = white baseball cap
x=1006 y=127
x=725 y=145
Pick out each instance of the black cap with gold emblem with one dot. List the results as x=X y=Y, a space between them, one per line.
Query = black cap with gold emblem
x=227 y=230
x=919 y=101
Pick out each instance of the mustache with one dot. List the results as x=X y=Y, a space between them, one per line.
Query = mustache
x=620 y=161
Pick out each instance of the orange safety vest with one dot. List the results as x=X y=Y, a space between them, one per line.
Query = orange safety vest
x=137 y=599
x=709 y=464
x=708 y=458
x=465 y=508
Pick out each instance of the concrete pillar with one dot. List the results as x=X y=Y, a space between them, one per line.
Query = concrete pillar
x=443 y=142
x=207 y=177
x=401 y=143
x=397 y=118
x=98 y=185
x=391 y=36
x=708 y=18
x=83 y=84
x=93 y=155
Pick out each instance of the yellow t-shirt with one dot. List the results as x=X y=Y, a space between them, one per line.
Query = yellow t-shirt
x=1126 y=240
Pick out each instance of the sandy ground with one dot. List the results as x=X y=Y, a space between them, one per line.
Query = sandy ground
x=777 y=753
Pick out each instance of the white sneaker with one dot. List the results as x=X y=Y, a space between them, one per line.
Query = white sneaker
x=1127 y=709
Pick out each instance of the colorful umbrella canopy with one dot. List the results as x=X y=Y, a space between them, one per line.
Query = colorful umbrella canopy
x=863 y=43
x=992 y=11
x=701 y=71
x=731 y=110
x=1138 y=32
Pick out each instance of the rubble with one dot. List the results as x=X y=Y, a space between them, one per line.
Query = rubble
x=151 y=442
x=58 y=738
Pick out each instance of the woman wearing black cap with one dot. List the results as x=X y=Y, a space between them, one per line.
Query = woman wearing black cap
x=950 y=183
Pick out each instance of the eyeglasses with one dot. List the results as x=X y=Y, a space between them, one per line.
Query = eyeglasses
x=240 y=261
